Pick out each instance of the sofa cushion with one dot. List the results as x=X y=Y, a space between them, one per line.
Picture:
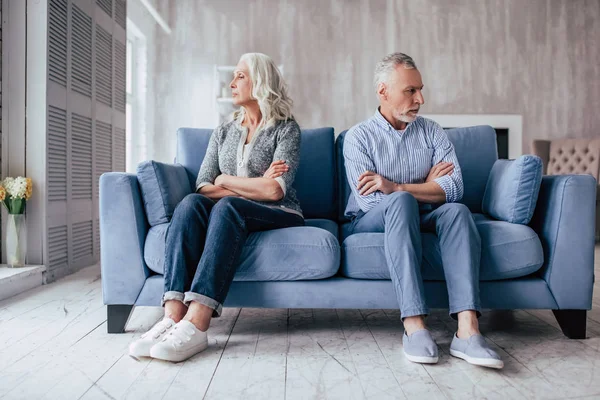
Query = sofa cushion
x=475 y=165
x=508 y=251
x=163 y=186
x=512 y=189
x=287 y=254
x=326 y=224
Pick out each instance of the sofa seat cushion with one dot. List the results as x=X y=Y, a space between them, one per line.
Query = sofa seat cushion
x=508 y=251
x=326 y=224
x=288 y=254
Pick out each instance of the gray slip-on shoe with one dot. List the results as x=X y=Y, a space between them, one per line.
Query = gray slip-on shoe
x=420 y=347
x=476 y=351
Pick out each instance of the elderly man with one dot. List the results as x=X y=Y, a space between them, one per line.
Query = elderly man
x=405 y=178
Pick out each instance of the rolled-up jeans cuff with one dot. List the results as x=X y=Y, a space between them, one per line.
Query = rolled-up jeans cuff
x=204 y=300
x=469 y=307
x=171 y=295
x=413 y=312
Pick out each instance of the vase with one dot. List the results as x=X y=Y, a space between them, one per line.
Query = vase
x=16 y=240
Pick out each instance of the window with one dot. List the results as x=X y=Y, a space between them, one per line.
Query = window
x=130 y=101
x=135 y=109
x=129 y=65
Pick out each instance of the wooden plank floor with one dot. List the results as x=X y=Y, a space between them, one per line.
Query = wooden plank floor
x=54 y=345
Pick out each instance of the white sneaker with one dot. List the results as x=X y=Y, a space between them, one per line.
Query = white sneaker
x=142 y=346
x=182 y=342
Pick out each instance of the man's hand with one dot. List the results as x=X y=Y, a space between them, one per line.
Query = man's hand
x=370 y=182
x=439 y=170
x=277 y=168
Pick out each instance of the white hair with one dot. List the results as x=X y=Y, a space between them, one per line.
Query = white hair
x=268 y=88
x=388 y=64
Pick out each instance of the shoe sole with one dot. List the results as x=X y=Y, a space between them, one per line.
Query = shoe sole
x=178 y=357
x=482 y=362
x=421 y=360
x=138 y=354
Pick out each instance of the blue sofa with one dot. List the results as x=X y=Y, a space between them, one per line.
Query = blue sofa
x=548 y=264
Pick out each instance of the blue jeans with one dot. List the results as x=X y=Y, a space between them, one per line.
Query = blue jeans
x=204 y=243
x=398 y=217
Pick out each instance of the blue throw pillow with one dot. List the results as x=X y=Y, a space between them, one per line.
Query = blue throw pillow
x=163 y=187
x=512 y=189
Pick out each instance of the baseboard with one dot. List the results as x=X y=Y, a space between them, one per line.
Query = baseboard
x=14 y=281
x=52 y=275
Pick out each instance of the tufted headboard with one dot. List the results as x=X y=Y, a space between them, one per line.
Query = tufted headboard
x=569 y=156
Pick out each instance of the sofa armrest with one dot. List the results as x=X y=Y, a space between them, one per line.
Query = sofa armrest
x=123 y=230
x=564 y=220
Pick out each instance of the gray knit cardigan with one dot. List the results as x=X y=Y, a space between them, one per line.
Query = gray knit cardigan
x=226 y=155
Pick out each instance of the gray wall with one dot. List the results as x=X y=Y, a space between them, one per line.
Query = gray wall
x=537 y=58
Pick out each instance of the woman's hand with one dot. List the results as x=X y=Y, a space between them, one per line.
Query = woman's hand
x=439 y=170
x=220 y=180
x=276 y=169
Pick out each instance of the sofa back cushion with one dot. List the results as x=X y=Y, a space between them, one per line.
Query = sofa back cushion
x=512 y=189
x=574 y=156
x=476 y=151
x=315 y=178
x=163 y=186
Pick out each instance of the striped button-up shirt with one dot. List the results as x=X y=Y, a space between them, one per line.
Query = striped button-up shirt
x=399 y=156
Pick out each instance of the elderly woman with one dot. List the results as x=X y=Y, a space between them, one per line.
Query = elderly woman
x=244 y=186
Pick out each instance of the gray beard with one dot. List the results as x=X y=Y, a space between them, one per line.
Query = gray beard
x=404 y=118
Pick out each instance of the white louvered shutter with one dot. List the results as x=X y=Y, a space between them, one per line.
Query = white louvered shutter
x=81 y=157
x=83 y=240
x=121 y=13
x=57 y=247
x=85 y=124
x=57 y=154
x=57 y=44
x=105 y=5
x=81 y=53
x=103 y=66
x=120 y=75
x=103 y=151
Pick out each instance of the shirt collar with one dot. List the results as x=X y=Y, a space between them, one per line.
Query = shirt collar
x=383 y=123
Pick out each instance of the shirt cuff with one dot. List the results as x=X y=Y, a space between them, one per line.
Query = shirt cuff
x=282 y=184
x=202 y=184
x=447 y=186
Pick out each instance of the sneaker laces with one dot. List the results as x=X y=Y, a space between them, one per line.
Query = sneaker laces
x=159 y=329
x=179 y=335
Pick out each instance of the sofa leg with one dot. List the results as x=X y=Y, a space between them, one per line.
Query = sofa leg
x=572 y=322
x=117 y=317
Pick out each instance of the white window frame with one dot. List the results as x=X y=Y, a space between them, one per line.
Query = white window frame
x=136 y=140
x=14 y=151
